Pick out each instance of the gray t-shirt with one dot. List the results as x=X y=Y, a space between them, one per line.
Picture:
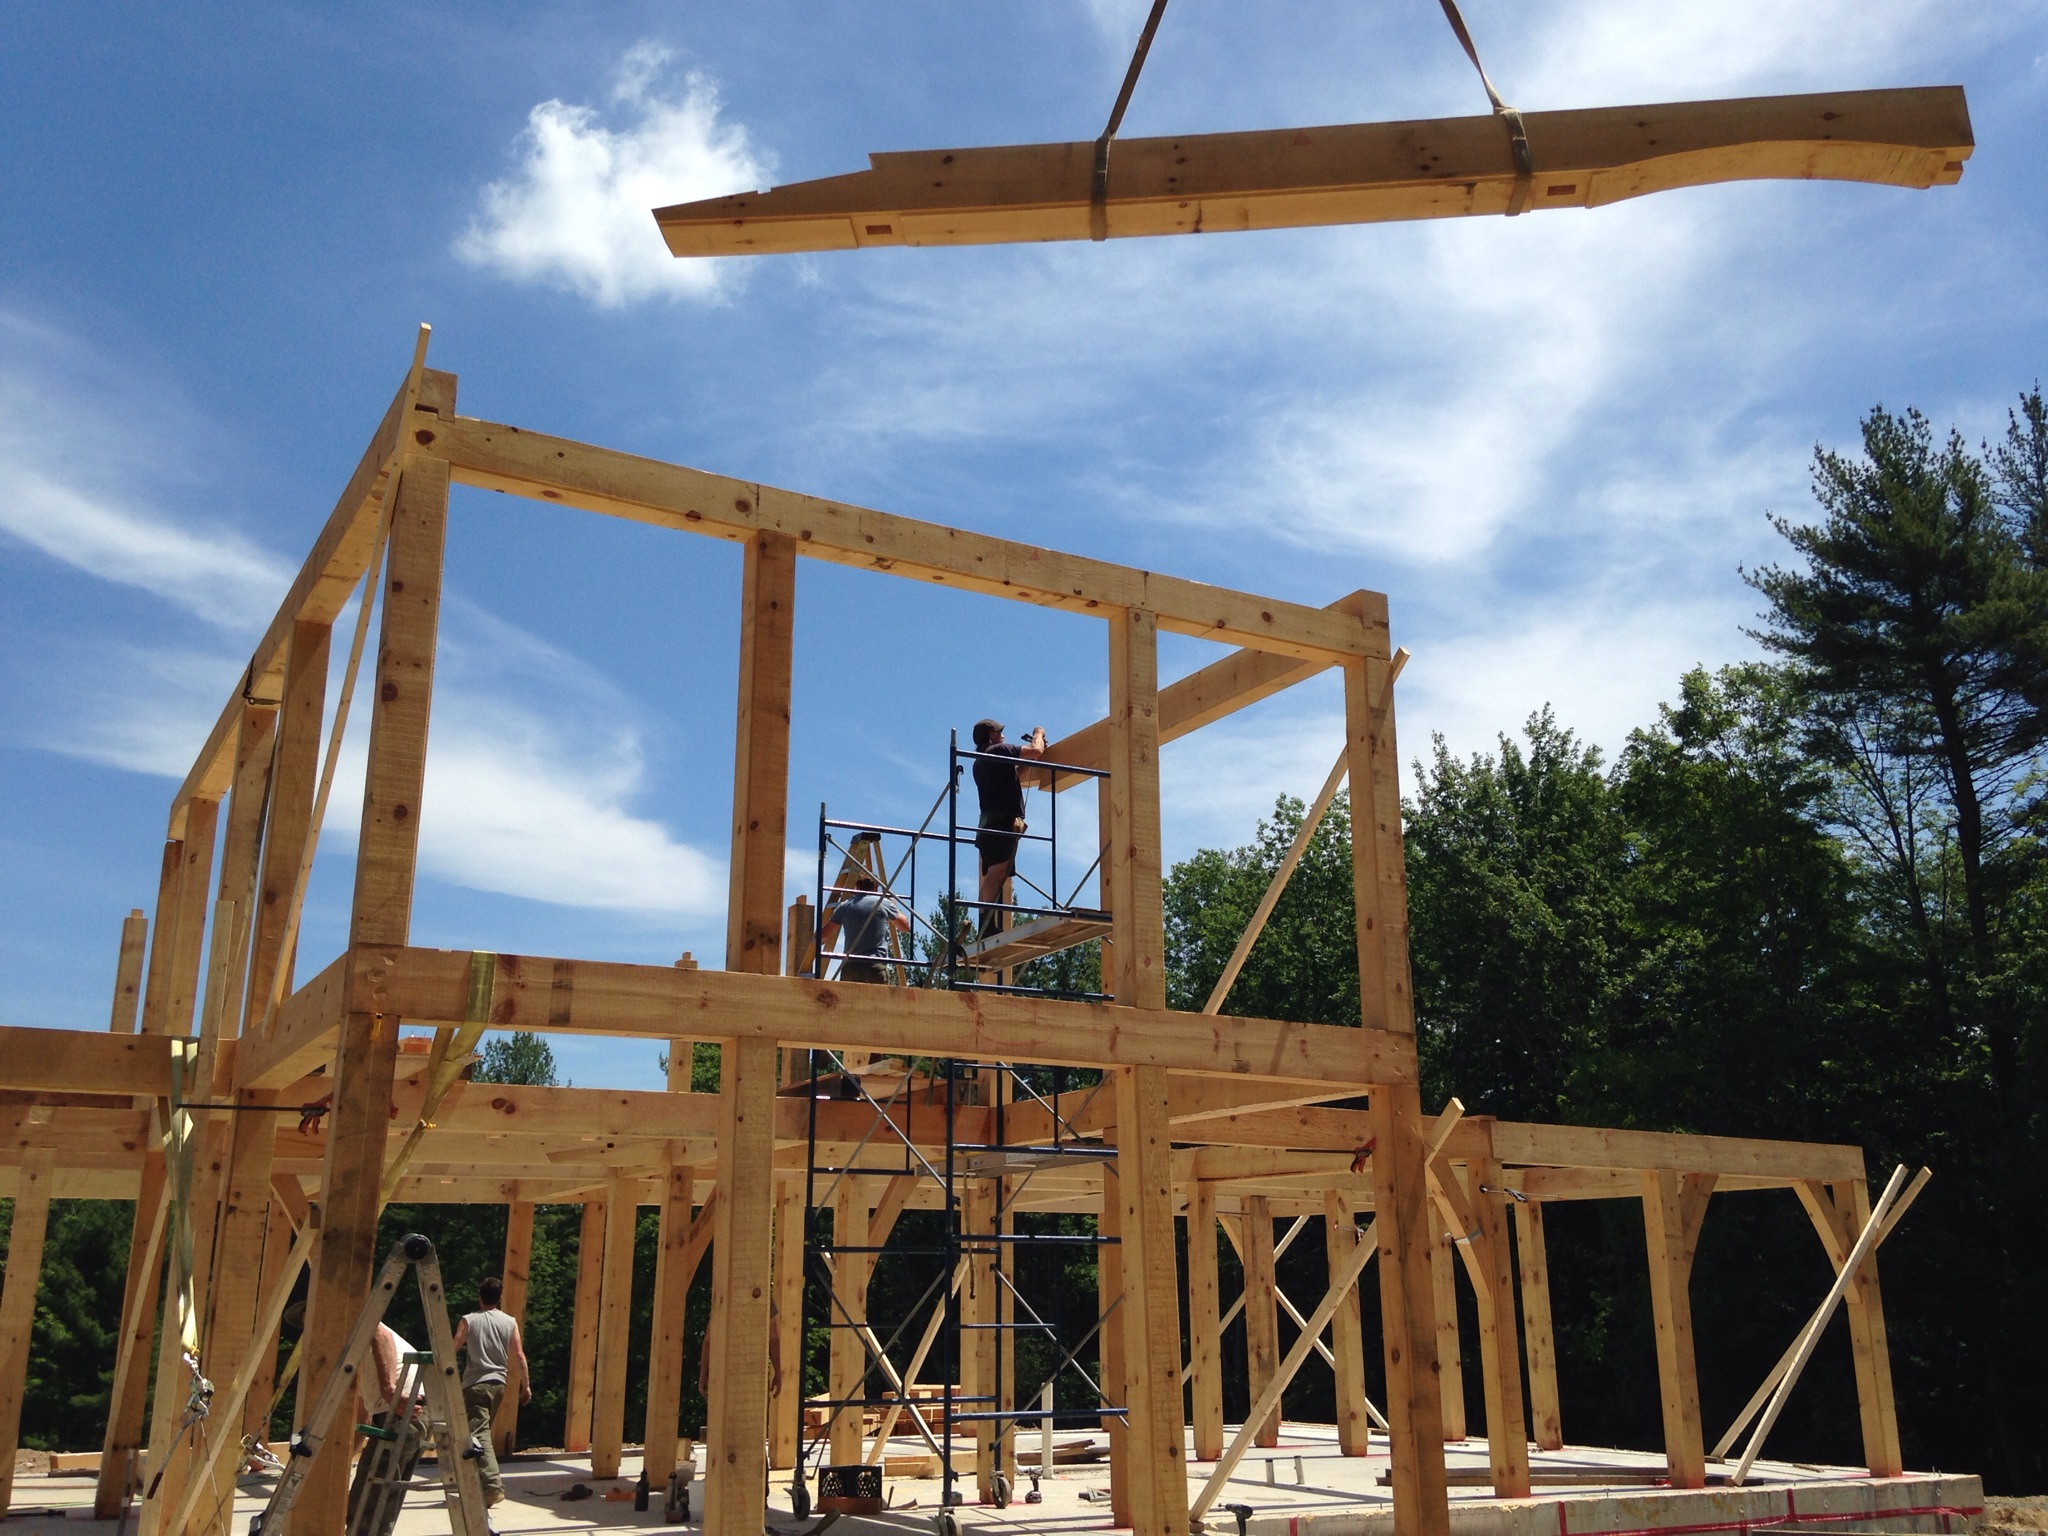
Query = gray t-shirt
x=489 y=1346
x=863 y=922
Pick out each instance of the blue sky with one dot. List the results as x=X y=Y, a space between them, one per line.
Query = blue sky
x=1552 y=440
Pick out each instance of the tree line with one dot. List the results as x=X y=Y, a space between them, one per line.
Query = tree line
x=1808 y=901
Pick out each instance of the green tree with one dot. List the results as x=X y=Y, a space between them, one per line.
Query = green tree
x=521 y=1057
x=1519 y=905
x=1921 y=631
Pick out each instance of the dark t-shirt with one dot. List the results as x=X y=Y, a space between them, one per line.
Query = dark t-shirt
x=1002 y=795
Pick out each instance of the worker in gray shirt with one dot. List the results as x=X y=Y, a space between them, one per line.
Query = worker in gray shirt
x=864 y=919
x=491 y=1338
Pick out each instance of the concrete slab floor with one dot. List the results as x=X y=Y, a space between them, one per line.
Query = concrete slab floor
x=1304 y=1487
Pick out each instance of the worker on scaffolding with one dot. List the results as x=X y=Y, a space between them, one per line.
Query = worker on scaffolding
x=1002 y=811
x=865 y=920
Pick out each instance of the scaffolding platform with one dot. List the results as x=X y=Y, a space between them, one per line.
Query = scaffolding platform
x=1035 y=940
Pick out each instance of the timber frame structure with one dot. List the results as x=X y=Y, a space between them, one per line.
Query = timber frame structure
x=1206 y=1116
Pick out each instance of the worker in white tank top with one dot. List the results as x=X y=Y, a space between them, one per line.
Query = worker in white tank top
x=490 y=1338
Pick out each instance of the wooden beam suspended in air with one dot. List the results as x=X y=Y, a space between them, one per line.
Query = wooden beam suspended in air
x=1351 y=173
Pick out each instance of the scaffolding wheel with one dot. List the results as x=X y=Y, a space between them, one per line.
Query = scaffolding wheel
x=946 y=1523
x=999 y=1488
x=800 y=1499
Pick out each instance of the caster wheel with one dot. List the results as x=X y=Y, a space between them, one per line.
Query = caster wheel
x=800 y=1500
x=1000 y=1488
x=947 y=1523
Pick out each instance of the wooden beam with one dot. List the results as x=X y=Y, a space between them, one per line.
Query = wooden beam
x=128 y=973
x=304 y=701
x=1151 y=1321
x=510 y=459
x=1261 y=1312
x=25 y=1234
x=1575 y=1146
x=515 y=1276
x=1450 y=1355
x=243 y=1225
x=1205 y=1331
x=1493 y=1261
x=786 y=1393
x=1346 y=173
x=1347 y=1329
x=322 y=587
x=583 y=1327
x=735 y=1482
x=280 y=1231
x=80 y=1061
x=1673 y=1205
x=187 y=924
x=1546 y=1421
x=736 y=1453
x=1839 y=1212
x=1220 y=689
x=1400 y=1156
x=615 y=1321
x=387 y=850
x=604 y=998
x=129 y=1399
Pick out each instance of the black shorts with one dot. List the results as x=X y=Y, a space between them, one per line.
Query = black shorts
x=996 y=847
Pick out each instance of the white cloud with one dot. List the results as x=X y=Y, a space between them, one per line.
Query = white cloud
x=576 y=212
x=220 y=577
x=77 y=441
x=534 y=766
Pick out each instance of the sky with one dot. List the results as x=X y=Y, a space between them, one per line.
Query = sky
x=1553 y=441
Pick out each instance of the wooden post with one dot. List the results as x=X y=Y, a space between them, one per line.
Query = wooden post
x=1443 y=1274
x=1546 y=1421
x=1205 y=1332
x=615 y=1321
x=18 y=1304
x=1500 y=1353
x=1111 y=1371
x=1347 y=1329
x=736 y=1453
x=1400 y=1180
x=277 y=1247
x=367 y=1054
x=583 y=1327
x=515 y=1277
x=667 y=1339
x=851 y=1272
x=1839 y=1212
x=736 y=1460
x=128 y=973
x=1261 y=1310
x=130 y=1388
x=1150 y=1268
x=231 y=1185
x=187 y=927
x=245 y=1216
x=292 y=789
x=786 y=1389
x=1673 y=1205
